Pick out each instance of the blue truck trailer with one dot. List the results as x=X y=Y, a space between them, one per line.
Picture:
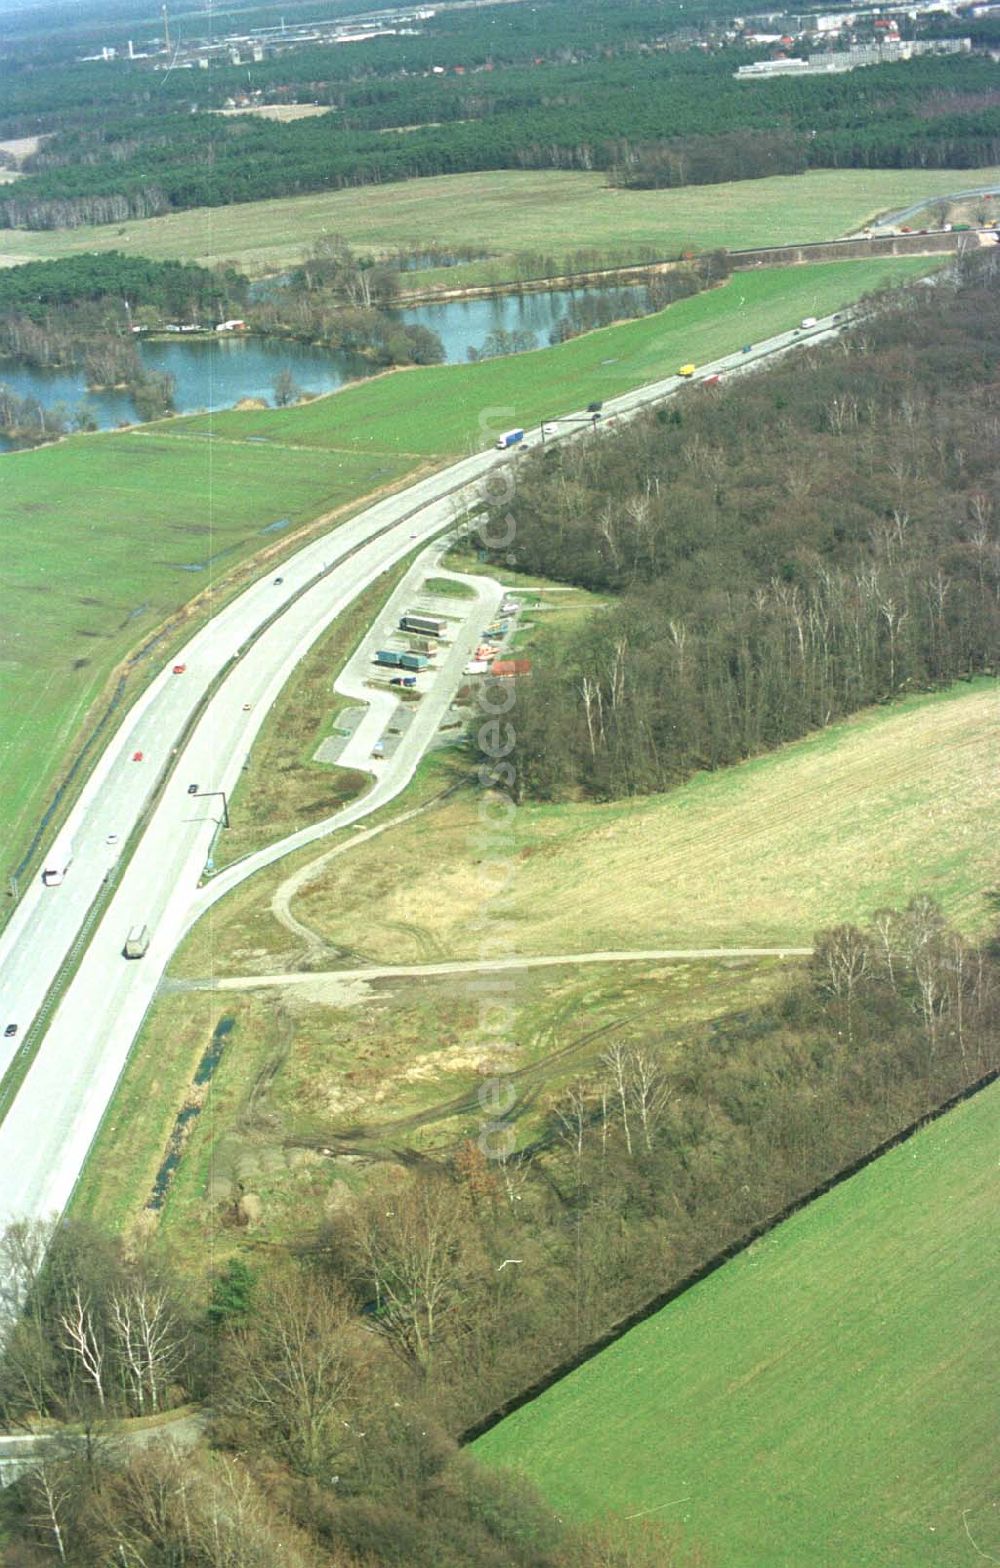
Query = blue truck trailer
x=401 y=660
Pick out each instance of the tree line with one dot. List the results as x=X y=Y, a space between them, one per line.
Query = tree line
x=587 y=311
x=173 y=290
x=341 y=1367
x=818 y=537
x=661 y=118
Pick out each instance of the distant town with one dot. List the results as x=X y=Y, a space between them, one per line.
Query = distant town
x=841 y=40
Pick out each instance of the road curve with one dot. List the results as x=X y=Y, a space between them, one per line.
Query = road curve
x=201 y=726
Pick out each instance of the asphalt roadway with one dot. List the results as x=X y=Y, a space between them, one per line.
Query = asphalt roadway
x=198 y=728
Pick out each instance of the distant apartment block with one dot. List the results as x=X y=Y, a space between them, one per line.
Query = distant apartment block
x=851 y=59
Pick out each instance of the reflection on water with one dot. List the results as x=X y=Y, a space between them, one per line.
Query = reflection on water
x=462 y=324
x=215 y=373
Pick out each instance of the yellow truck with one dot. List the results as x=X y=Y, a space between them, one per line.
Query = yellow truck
x=687 y=370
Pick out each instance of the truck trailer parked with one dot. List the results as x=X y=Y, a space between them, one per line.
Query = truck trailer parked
x=58 y=861
x=425 y=625
x=400 y=659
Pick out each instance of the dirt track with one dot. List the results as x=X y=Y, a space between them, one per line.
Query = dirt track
x=481 y=966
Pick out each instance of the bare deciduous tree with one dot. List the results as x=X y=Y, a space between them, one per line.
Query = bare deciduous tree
x=84 y=1341
x=51 y=1487
x=651 y=1091
x=616 y=1060
x=572 y=1114
x=841 y=958
x=413 y=1247
x=291 y=1370
x=148 y=1339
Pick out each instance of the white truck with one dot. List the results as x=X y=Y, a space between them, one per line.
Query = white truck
x=510 y=438
x=137 y=942
x=58 y=861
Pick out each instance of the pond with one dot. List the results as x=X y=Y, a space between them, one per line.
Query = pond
x=215 y=373
x=462 y=324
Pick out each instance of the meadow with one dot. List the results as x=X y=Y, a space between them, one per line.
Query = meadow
x=743 y=857
x=737 y=858
x=389 y=1059
x=107 y=535
x=507 y=213
x=909 y=798
x=826 y=1397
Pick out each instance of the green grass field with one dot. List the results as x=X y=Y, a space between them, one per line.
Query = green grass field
x=105 y=535
x=510 y=212
x=829 y=1397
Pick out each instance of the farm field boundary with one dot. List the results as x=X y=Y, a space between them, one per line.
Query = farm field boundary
x=829 y=1395
x=718 y=1260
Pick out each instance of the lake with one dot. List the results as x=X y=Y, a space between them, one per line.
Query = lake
x=215 y=373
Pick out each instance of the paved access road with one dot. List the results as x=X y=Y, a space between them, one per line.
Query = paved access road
x=202 y=723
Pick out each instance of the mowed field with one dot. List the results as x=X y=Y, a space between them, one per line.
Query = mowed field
x=827 y=1398
x=895 y=801
x=509 y=212
x=103 y=535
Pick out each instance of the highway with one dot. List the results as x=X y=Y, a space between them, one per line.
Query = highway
x=201 y=725
x=40 y=932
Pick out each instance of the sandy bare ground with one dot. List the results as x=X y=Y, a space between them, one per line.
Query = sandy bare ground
x=280 y=111
x=21 y=146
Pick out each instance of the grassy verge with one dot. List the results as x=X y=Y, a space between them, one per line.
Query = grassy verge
x=445 y=588
x=510 y=212
x=449 y=409
x=826 y=1397
x=283 y=788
